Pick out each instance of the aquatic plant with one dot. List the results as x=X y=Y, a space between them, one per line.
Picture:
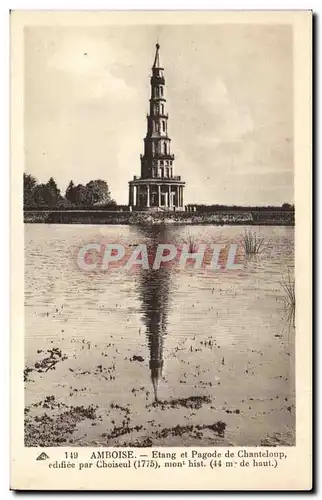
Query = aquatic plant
x=191 y=242
x=288 y=285
x=194 y=402
x=252 y=243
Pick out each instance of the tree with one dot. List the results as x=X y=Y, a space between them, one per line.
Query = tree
x=40 y=196
x=53 y=193
x=98 y=192
x=29 y=184
x=46 y=195
x=70 y=194
x=287 y=206
x=63 y=204
x=81 y=198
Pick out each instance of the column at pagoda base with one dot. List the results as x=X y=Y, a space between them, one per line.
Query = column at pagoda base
x=156 y=194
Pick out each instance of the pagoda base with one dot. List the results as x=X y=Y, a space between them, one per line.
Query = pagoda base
x=156 y=194
x=157 y=209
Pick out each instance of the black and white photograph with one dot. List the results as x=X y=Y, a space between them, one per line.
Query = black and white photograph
x=137 y=331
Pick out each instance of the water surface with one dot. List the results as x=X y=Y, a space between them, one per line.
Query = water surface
x=213 y=346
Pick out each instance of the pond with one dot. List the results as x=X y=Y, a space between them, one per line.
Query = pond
x=177 y=356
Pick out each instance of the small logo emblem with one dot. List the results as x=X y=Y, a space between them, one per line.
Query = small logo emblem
x=43 y=456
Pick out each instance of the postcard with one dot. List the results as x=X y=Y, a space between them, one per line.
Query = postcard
x=161 y=234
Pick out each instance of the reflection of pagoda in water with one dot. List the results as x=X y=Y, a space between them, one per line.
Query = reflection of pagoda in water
x=154 y=291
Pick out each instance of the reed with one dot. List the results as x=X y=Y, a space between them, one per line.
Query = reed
x=288 y=285
x=192 y=246
x=252 y=243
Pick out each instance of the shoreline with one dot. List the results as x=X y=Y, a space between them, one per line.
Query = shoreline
x=251 y=218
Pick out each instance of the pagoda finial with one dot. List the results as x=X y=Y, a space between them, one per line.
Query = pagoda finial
x=156 y=63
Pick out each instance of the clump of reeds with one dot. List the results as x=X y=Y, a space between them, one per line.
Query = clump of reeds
x=252 y=243
x=288 y=285
x=192 y=246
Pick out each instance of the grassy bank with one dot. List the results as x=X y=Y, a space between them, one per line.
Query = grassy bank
x=128 y=218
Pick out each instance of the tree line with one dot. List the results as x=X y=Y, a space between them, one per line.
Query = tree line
x=41 y=196
x=287 y=207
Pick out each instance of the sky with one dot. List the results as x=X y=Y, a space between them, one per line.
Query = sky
x=229 y=91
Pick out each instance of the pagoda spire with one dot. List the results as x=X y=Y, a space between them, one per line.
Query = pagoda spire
x=156 y=64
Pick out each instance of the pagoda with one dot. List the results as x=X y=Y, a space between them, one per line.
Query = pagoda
x=157 y=188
